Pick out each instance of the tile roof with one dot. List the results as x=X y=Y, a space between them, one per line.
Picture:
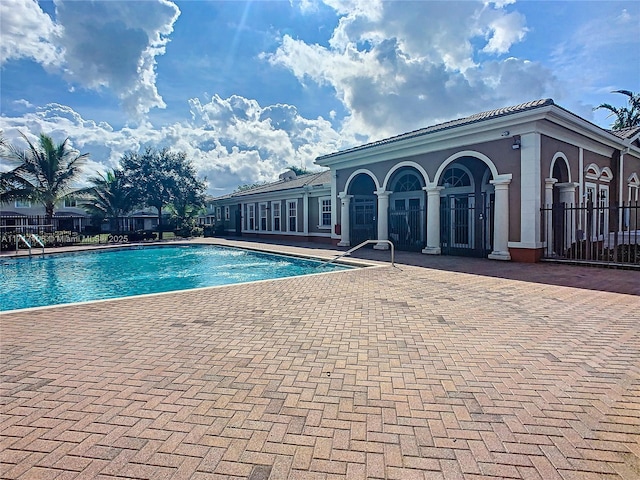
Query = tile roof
x=311 y=179
x=626 y=133
x=475 y=118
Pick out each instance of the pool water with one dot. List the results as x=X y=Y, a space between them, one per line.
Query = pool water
x=95 y=275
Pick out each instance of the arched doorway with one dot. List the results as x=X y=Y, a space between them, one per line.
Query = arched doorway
x=407 y=228
x=466 y=208
x=363 y=209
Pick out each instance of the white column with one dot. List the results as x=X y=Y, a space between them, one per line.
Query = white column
x=501 y=218
x=433 y=219
x=345 y=199
x=383 y=220
x=548 y=205
x=334 y=209
x=305 y=211
x=530 y=201
x=568 y=197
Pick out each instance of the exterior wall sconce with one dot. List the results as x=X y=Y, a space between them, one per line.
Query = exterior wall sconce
x=516 y=143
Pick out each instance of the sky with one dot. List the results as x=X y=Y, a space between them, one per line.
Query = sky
x=248 y=88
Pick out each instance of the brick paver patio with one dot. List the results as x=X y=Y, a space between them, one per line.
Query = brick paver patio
x=399 y=373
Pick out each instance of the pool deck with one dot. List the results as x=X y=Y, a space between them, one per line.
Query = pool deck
x=439 y=368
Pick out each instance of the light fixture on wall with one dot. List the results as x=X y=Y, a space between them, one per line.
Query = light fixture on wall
x=516 y=143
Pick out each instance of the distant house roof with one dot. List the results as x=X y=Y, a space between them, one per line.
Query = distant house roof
x=310 y=179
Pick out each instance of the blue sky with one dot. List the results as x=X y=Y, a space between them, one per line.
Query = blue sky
x=248 y=88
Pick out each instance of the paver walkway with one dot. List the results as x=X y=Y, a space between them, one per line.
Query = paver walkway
x=397 y=373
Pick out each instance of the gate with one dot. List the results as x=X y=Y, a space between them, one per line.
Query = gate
x=407 y=228
x=363 y=219
x=466 y=224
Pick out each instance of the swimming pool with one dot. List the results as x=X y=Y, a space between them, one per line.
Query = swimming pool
x=103 y=274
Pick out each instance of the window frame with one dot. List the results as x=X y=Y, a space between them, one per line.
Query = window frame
x=290 y=217
x=251 y=217
x=276 y=219
x=322 y=212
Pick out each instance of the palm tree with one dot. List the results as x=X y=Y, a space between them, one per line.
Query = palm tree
x=626 y=117
x=109 y=196
x=45 y=171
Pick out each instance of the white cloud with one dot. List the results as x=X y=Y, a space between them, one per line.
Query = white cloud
x=395 y=69
x=115 y=45
x=505 y=30
x=27 y=31
x=95 y=45
x=232 y=141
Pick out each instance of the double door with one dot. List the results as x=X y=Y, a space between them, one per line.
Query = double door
x=466 y=224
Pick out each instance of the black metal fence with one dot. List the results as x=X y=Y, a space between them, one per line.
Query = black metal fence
x=592 y=232
x=407 y=229
x=16 y=232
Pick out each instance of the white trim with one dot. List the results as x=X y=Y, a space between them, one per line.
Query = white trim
x=366 y=171
x=592 y=171
x=566 y=164
x=398 y=166
x=606 y=175
x=289 y=216
x=251 y=216
x=465 y=153
x=263 y=208
x=320 y=212
x=275 y=204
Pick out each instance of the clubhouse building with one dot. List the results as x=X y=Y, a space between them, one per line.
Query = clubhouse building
x=518 y=183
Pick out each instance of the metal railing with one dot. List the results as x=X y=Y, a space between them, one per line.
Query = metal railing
x=592 y=232
x=360 y=245
x=32 y=237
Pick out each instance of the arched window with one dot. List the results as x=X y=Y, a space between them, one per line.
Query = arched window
x=456 y=177
x=407 y=183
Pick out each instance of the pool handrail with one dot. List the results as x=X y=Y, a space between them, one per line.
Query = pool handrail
x=32 y=237
x=366 y=242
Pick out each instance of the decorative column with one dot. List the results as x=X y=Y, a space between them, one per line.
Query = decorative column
x=501 y=218
x=548 y=205
x=570 y=220
x=433 y=219
x=345 y=200
x=383 y=220
x=305 y=210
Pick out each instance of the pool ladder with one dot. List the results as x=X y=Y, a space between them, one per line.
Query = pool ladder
x=366 y=242
x=33 y=237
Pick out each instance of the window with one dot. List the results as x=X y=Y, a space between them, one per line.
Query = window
x=263 y=216
x=275 y=206
x=23 y=204
x=456 y=177
x=251 y=217
x=293 y=215
x=409 y=183
x=218 y=213
x=70 y=202
x=324 y=204
x=227 y=216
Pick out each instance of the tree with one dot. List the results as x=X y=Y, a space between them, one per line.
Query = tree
x=249 y=186
x=161 y=177
x=44 y=173
x=298 y=170
x=109 y=196
x=625 y=116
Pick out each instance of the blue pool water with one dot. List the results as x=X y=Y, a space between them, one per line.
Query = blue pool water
x=96 y=275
